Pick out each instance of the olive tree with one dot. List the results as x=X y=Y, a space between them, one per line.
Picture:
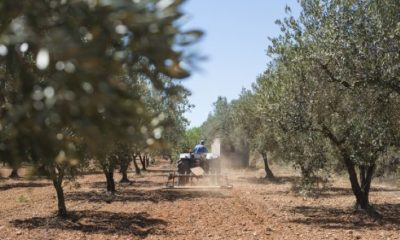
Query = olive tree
x=65 y=61
x=335 y=85
x=221 y=123
x=255 y=124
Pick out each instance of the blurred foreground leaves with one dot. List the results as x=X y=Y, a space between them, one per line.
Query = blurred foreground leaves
x=78 y=77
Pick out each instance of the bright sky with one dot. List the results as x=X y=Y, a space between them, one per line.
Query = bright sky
x=236 y=37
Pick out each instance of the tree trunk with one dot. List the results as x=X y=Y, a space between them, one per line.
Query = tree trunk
x=361 y=198
x=57 y=175
x=14 y=173
x=269 y=174
x=110 y=179
x=62 y=209
x=366 y=173
x=124 y=169
x=143 y=162
x=361 y=192
x=124 y=178
x=137 y=169
x=362 y=175
x=147 y=161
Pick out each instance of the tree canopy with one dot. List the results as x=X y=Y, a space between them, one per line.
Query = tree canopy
x=80 y=77
x=328 y=99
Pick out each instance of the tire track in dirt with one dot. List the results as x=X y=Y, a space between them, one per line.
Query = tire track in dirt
x=249 y=202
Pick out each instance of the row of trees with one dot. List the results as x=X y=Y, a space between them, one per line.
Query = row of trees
x=221 y=123
x=328 y=101
x=83 y=80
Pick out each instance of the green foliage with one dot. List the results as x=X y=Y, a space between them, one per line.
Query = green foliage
x=221 y=123
x=175 y=124
x=328 y=99
x=191 y=139
x=80 y=77
x=331 y=91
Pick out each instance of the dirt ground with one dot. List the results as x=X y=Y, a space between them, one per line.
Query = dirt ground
x=253 y=209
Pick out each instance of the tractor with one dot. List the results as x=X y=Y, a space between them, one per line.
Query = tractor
x=197 y=167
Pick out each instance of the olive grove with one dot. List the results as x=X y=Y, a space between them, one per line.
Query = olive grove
x=328 y=100
x=78 y=80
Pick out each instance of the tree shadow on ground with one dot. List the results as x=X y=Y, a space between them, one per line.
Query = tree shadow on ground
x=159 y=170
x=133 y=183
x=336 y=218
x=341 y=191
x=276 y=192
x=145 y=183
x=275 y=180
x=101 y=185
x=131 y=195
x=138 y=224
x=390 y=212
x=8 y=186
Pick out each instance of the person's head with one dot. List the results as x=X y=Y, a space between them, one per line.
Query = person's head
x=202 y=142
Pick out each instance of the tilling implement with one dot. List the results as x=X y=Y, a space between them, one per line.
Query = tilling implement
x=202 y=171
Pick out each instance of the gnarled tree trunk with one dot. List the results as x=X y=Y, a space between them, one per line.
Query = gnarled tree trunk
x=269 y=174
x=110 y=181
x=147 y=158
x=14 y=173
x=360 y=188
x=108 y=169
x=57 y=176
x=137 y=169
x=124 y=172
x=124 y=164
x=143 y=162
x=360 y=191
x=62 y=210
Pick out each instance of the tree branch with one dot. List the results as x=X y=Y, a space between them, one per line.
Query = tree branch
x=331 y=75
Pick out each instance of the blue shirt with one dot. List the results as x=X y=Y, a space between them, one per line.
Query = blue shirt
x=199 y=149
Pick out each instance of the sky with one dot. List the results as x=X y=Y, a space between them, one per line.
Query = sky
x=235 y=40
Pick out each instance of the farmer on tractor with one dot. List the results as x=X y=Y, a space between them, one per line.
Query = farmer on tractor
x=198 y=163
x=199 y=156
x=200 y=148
